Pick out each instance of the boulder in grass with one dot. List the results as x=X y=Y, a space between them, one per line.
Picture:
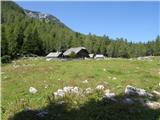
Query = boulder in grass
x=156 y=93
x=85 y=81
x=100 y=87
x=130 y=90
x=152 y=104
x=88 y=90
x=33 y=90
x=59 y=93
x=109 y=97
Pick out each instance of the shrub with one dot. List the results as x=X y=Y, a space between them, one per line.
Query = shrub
x=5 y=59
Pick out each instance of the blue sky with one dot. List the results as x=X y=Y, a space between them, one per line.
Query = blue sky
x=136 y=21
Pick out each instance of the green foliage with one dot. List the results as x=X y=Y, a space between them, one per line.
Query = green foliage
x=6 y=59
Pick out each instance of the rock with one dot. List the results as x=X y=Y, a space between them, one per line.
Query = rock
x=130 y=90
x=76 y=90
x=156 y=93
x=104 y=69
x=128 y=101
x=114 y=78
x=42 y=114
x=68 y=90
x=152 y=104
x=110 y=96
x=59 y=93
x=85 y=81
x=33 y=90
x=106 y=91
x=88 y=90
x=46 y=86
x=100 y=87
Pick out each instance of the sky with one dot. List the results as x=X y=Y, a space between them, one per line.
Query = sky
x=135 y=21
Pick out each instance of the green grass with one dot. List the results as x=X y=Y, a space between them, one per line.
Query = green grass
x=56 y=74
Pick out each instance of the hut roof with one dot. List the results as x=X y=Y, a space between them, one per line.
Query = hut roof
x=75 y=50
x=53 y=54
x=99 y=56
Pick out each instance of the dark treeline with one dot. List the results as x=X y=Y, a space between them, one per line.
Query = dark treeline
x=23 y=35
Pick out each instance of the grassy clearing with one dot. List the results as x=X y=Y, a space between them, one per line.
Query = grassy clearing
x=115 y=74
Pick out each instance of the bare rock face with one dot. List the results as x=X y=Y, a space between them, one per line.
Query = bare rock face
x=130 y=90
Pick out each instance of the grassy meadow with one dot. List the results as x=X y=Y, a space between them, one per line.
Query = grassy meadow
x=48 y=76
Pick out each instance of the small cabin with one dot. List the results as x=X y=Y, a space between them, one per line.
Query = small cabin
x=54 y=55
x=78 y=52
x=99 y=56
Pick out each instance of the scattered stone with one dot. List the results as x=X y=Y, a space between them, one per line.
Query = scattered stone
x=109 y=96
x=42 y=114
x=68 y=89
x=100 y=87
x=46 y=86
x=156 y=93
x=48 y=59
x=128 y=101
x=33 y=90
x=152 y=104
x=130 y=90
x=106 y=91
x=44 y=81
x=85 y=81
x=104 y=69
x=88 y=90
x=59 y=93
x=114 y=78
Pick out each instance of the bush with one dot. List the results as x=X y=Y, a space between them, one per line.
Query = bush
x=5 y=59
